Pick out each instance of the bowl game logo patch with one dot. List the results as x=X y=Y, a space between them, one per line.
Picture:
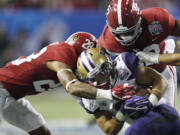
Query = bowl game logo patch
x=155 y=28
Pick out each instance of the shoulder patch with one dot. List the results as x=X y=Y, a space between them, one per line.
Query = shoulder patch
x=155 y=28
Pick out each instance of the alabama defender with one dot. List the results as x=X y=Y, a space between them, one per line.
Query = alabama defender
x=41 y=71
x=130 y=28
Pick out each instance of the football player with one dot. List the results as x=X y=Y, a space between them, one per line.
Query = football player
x=94 y=67
x=130 y=28
x=41 y=71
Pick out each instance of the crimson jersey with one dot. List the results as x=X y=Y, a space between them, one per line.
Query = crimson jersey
x=29 y=75
x=157 y=25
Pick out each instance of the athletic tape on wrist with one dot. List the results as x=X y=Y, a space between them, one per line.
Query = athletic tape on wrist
x=103 y=94
x=64 y=69
x=120 y=116
x=67 y=84
x=153 y=99
x=155 y=58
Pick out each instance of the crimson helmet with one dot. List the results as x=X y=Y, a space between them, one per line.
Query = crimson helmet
x=81 y=41
x=124 y=21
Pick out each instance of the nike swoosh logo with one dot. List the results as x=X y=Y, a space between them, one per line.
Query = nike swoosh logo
x=137 y=108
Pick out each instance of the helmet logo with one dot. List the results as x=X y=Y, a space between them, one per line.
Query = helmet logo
x=155 y=28
x=76 y=37
x=88 y=45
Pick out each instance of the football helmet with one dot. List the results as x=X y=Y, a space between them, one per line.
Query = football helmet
x=92 y=66
x=124 y=21
x=81 y=41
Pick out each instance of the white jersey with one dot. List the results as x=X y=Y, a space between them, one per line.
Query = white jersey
x=126 y=64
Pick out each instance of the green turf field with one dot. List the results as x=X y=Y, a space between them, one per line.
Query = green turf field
x=63 y=114
x=60 y=105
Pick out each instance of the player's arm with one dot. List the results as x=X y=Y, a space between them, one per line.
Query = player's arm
x=109 y=124
x=146 y=76
x=73 y=86
x=176 y=29
x=168 y=59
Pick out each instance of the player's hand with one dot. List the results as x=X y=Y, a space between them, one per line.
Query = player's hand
x=148 y=57
x=136 y=106
x=122 y=92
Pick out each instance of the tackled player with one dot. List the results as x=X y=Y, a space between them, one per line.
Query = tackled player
x=124 y=71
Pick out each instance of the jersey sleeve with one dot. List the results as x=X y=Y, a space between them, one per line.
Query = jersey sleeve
x=63 y=53
x=131 y=60
x=166 y=19
x=91 y=106
x=160 y=22
x=94 y=106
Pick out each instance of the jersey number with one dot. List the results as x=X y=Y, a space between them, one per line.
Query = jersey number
x=50 y=84
x=29 y=58
x=41 y=85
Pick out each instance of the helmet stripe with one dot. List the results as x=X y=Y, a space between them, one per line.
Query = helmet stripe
x=119 y=12
x=92 y=65
x=87 y=64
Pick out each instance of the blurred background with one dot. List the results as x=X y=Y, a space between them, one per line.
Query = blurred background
x=28 y=25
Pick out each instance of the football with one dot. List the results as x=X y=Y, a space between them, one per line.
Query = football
x=143 y=92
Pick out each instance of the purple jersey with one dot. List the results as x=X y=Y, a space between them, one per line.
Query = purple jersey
x=126 y=64
x=162 y=120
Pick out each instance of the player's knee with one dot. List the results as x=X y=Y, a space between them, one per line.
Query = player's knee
x=41 y=131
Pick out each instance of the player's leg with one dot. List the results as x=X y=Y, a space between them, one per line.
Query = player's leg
x=171 y=91
x=21 y=114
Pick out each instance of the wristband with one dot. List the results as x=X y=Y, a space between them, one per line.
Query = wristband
x=103 y=94
x=155 y=58
x=153 y=99
x=120 y=116
x=67 y=84
x=64 y=69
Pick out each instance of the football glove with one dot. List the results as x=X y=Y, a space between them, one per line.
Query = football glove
x=136 y=106
x=122 y=92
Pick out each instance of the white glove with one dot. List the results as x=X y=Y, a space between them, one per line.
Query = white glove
x=148 y=57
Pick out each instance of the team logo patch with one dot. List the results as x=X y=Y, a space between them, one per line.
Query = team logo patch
x=76 y=37
x=155 y=28
x=123 y=74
